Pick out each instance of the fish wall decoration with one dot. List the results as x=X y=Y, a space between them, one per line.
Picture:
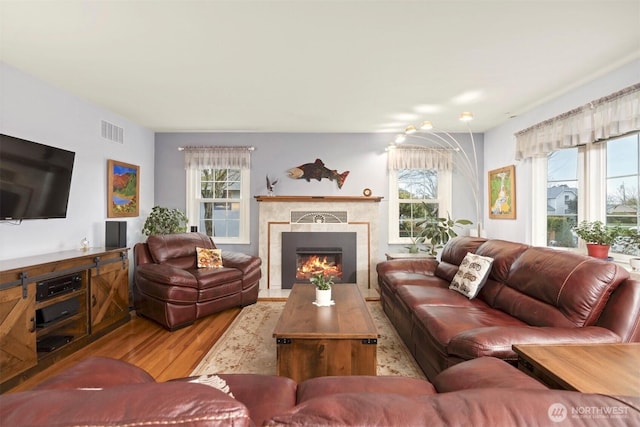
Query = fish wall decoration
x=317 y=170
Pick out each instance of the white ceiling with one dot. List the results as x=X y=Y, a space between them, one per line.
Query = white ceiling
x=318 y=66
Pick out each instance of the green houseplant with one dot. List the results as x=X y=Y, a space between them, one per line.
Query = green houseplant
x=597 y=236
x=165 y=221
x=438 y=230
x=323 y=289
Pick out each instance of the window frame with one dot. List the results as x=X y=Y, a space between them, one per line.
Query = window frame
x=444 y=203
x=194 y=198
x=592 y=192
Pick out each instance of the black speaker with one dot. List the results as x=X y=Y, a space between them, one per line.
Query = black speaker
x=115 y=234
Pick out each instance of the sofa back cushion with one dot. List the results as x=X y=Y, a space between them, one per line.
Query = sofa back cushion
x=453 y=253
x=178 y=250
x=547 y=287
x=504 y=254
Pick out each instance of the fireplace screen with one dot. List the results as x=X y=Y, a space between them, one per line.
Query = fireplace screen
x=313 y=261
x=306 y=254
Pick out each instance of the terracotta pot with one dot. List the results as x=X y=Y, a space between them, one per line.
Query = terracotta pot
x=598 y=251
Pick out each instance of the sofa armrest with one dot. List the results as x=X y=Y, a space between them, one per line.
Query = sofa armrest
x=166 y=275
x=243 y=262
x=426 y=266
x=149 y=404
x=497 y=341
x=97 y=372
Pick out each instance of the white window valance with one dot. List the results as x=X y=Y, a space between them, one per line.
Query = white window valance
x=209 y=157
x=613 y=115
x=418 y=157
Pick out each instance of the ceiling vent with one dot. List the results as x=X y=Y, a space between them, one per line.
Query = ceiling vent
x=112 y=132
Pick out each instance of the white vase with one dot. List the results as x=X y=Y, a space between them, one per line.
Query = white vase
x=323 y=297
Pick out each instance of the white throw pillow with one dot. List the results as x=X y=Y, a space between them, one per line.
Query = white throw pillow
x=472 y=275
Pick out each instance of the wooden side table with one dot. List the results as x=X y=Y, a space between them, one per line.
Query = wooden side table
x=590 y=368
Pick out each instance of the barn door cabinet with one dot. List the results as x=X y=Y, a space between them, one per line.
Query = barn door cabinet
x=53 y=304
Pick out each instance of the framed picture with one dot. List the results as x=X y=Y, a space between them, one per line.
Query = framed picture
x=502 y=193
x=123 y=189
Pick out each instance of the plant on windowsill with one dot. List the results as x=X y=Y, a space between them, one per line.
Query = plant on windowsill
x=438 y=230
x=598 y=237
x=323 y=288
x=165 y=221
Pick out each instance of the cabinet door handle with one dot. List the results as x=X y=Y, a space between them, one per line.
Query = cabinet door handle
x=94 y=301
x=33 y=324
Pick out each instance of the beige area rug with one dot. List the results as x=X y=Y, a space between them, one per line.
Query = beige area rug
x=248 y=346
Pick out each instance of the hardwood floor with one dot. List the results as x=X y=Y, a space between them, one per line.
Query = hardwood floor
x=165 y=355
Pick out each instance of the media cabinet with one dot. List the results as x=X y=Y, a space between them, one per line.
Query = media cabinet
x=54 y=304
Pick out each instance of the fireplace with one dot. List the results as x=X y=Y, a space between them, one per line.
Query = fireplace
x=306 y=254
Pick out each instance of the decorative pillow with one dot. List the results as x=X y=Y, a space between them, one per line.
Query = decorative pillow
x=472 y=275
x=209 y=258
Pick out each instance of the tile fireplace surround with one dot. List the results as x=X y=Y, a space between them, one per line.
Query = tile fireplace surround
x=318 y=214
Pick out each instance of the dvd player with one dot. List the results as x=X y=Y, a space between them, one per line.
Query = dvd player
x=58 y=286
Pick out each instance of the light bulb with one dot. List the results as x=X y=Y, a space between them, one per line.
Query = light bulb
x=410 y=129
x=426 y=125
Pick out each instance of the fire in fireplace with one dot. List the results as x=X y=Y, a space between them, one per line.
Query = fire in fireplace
x=313 y=261
x=306 y=254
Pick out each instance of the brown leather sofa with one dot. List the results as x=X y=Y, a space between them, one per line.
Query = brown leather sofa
x=170 y=288
x=484 y=392
x=533 y=295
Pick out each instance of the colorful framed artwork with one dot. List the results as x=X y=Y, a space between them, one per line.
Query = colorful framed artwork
x=502 y=193
x=123 y=189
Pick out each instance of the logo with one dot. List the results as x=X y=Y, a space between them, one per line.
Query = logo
x=557 y=412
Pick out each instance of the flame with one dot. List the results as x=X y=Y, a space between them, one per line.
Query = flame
x=313 y=265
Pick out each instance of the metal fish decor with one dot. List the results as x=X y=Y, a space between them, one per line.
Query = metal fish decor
x=317 y=170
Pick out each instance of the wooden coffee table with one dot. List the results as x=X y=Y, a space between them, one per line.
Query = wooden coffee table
x=317 y=341
x=591 y=368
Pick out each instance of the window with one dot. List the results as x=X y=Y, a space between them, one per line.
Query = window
x=219 y=203
x=414 y=192
x=597 y=181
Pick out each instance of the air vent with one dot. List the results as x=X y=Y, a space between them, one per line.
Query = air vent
x=112 y=132
x=313 y=217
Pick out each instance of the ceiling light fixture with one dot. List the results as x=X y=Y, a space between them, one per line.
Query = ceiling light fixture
x=400 y=139
x=426 y=125
x=466 y=116
x=410 y=129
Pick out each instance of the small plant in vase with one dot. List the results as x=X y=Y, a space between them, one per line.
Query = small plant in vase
x=323 y=289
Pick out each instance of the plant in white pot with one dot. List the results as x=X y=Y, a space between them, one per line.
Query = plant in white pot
x=323 y=289
x=163 y=220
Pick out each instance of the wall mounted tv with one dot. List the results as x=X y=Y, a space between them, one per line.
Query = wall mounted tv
x=35 y=179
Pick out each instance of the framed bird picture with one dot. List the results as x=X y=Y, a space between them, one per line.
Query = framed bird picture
x=502 y=193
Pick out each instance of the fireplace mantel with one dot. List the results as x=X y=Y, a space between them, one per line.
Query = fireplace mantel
x=318 y=198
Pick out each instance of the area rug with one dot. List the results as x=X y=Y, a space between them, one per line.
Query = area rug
x=248 y=346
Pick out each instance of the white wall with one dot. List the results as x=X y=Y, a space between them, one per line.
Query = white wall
x=34 y=110
x=499 y=146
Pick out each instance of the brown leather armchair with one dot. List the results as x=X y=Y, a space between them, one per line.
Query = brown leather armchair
x=170 y=288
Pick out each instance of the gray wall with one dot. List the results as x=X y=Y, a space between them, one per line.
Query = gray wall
x=363 y=155
x=33 y=110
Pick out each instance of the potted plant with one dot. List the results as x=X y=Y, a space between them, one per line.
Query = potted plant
x=323 y=288
x=165 y=221
x=438 y=230
x=597 y=236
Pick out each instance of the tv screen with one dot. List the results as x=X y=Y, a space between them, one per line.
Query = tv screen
x=35 y=179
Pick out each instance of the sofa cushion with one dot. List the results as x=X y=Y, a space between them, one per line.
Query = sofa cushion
x=413 y=295
x=472 y=275
x=178 y=250
x=483 y=372
x=453 y=253
x=148 y=404
x=473 y=407
x=325 y=386
x=208 y=258
x=97 y=372
x=559 y=288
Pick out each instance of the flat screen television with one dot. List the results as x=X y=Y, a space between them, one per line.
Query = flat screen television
x=35 y=179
